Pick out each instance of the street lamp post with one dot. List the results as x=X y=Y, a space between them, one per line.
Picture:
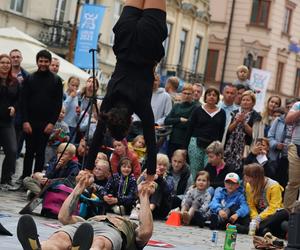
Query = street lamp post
x=73 y=34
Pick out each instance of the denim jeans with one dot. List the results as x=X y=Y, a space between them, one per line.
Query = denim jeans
x=9 y=144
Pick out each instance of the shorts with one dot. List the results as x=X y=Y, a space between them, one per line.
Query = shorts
x=102 y=228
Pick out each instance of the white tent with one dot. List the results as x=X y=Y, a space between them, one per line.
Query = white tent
x=12 y=38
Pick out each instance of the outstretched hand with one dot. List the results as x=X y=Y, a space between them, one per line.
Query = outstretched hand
x=146 y=188
x=84 y=179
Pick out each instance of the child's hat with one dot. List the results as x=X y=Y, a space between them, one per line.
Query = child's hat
x=233 y=177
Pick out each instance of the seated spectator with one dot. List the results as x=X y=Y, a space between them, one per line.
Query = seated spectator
x=260 y=154
x=264 y=197
x=101 y=156
x=139 y=147
x=196 y=199
x=82 y=150
x=229 y=205
x=101 y=174
x=120 y=192
x=171 y=88
x=181 y=174
x=216 y=166
x=60 y=133
x=161 y=200
x=121 y=150
x=65 y=168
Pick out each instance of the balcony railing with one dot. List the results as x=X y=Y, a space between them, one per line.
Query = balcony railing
x=186 y=75
x=56 y=33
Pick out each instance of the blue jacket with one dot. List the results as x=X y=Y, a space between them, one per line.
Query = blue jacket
x=71 y=169
x=276 y=135
x=222 y=200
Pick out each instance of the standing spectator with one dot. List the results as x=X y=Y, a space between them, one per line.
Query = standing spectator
x=273 y=102
x=178 y=118
x=171 y=88
x=121 y=150
x=240 y=90
x=72 y=105
x=206 y=124
x=21 y=74
x=42 y=96
x=197 y=92
x=292 y=189
x=180 y=171
x=240 y=132
x=280 y=135
x=9 y=98
x=54 y=65
x=229 y=94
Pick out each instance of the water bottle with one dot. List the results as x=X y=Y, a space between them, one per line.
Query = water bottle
x=252 y=228
x=230 y=238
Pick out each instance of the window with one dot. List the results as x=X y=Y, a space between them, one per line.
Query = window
x=260 y=12
x=297 y=83
x=211 y=65
x=60 y=10
x=166 y=43
x=287 y=20
x=17 y=5
x=196 y=54
x=251 y=63
x=279 y=74
x=258 y=63
x=183 y=36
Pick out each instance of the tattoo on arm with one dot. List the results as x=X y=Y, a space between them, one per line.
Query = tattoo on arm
x=73 y=204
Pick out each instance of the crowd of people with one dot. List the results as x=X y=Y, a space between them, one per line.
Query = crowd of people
x=221 y=162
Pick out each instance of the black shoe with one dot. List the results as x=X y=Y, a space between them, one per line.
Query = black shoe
x=214 y=222
x=83 y=237
x=27 y=233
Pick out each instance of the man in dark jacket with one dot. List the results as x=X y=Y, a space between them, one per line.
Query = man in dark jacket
x=41 y=104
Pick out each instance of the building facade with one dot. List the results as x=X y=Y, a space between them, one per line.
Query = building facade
x=261 y=34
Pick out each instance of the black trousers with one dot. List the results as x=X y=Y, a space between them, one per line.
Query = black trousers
x=9 y=143
x=35 y=150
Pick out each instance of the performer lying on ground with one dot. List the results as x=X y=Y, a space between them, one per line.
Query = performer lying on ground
x=139 y=34
x=104 y=232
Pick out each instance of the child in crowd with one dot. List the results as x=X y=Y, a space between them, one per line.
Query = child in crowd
x=59 y=134
x=180 y=171
x=229 y=205
x=242 y=73
x=121 y=150
x=138 y=146
x=196 y=199
x=72 y=105
x=120 y=192
x=101 y=156
x=216 y=166
x=65 y=168
x=161 y=200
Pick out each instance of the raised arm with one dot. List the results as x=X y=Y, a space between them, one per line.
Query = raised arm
x=145 y=228
x=65 y=216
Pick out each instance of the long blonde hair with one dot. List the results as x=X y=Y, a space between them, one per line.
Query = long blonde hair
x=256 y=172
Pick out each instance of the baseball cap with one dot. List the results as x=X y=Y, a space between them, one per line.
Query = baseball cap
x=233 y=177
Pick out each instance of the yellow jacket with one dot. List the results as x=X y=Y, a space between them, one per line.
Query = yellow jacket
x=273 y=196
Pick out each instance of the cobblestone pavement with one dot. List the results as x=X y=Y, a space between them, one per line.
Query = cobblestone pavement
x=183 y=237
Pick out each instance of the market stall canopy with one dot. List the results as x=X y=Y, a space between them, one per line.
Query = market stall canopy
x=12 y=38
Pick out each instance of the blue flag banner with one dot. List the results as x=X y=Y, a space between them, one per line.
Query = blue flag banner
x=87 y=38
